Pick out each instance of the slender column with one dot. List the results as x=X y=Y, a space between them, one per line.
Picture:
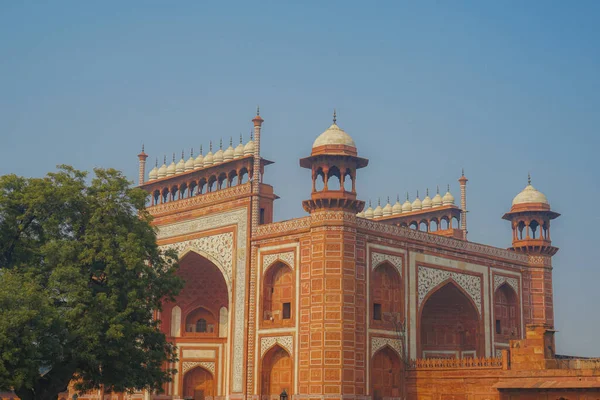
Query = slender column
x=463 y=204
x=142 y=172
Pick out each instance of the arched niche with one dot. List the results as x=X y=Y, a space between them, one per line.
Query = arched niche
x=506 y=314
x=277 y=372
x=450 y=326
x=198 y=383
x=386 y=374
x=278 y=295
x=387 y=306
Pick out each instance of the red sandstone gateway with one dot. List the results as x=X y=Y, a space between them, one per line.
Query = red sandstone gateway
x=387 y=302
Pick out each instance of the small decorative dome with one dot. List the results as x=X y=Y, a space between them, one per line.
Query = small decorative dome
x=218 y=157
x=417 y=205
x=406 y=207
x=209 y=157
x=189 y=164
x=387 y=210
x=448 y=199
x=369 y=213
x=180 y=167
x=361 y=214
x=427 y=203
x=199 y=162
x=378 y=212
x=172 y=168
x=397 y=208
x=239 y=150
x=228 y=154
x=153 y=172
x=437 y=199
x=249 y=147
x=162 y=171
x=530 y=195
x=334 y=135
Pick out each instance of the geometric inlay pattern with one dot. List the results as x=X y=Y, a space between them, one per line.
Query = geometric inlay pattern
x=378 y=342
x=236 y=262
x=267 y=342
x=499 y=280
x=378 y=258
x=287 y=257
x=429 y=278
x=209 y=365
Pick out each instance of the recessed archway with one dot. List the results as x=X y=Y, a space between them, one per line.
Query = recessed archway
x=387 y=297
x=386 y=374
x=198 y=384
x=277 y=372
x=278 y=294
x=506 y=314
x=449 y=324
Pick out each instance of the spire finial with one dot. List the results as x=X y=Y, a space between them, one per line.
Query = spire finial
x=156 y=162
x=173 y=157
x=334 y=116
x=257 y=110
x=192 y=152
x=463 y=172
x=388 y=199
x=210 y=146
x=165 y=159
x=251 y=135
x=438 y=189
x=142 y=147
x=528 y=178
x=221 y=144
x=369 y=203
x=448 y=188
x=200 y=149
x=379 y=201
x=240 y=138
x=230 y=141
x=427 y=192
x=406 y=196
x=417 y=194
x=397 y=197
x=182 y=156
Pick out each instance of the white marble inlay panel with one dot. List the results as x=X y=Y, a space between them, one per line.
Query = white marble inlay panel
x=378 y=258
x=267 y=342
x=287 y=257
x=429 y=278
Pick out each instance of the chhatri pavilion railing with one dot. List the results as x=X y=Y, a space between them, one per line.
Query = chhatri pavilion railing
x=450 y=363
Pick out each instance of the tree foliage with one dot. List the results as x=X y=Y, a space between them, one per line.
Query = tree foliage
x=80 y=278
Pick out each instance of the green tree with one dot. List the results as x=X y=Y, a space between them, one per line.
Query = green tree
x=80 y=277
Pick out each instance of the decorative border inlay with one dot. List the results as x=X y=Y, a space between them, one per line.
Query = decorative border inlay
x=429 y=278
x=513 y=282
x=379 y=342
x=287 y=257
x=378 y=258
x=218 y=220
x=267 y=342
x=438 y=240
x=188 y=365
x=283 y=227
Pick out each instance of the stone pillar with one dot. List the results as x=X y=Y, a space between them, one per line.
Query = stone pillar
x=142 y=172
x=463 y=204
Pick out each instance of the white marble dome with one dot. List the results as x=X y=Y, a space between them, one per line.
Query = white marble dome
x=334 y=135
x=530 y=195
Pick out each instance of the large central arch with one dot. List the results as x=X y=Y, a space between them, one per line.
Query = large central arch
x=450 y=326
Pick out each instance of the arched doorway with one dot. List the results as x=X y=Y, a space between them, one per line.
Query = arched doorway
x=387 y=309
x=198 y=384
x=386 y=374
x=277 y=373
x=450 y=326
x=506 y=314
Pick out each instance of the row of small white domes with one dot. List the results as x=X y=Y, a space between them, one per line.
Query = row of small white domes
x=202 y=161
x=407 y=206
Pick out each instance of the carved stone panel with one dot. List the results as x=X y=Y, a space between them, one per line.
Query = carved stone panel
x=378 y=258
x=287 y=257
x=429 y=278
x=378 y=343
x=188 y=365
x=513 y=282
x=267 y=342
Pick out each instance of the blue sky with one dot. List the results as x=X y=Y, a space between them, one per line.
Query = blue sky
x=424 y=88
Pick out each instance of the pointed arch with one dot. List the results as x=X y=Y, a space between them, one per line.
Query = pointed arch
x=277 y=371
x=387 y=295
x=386 y=374
x=225 y=271
x=278 y=295
x=450 y=323
x=198 y=383
x=507 y=314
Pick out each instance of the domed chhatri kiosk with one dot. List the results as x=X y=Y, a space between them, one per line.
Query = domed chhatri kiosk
x=385 y=300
